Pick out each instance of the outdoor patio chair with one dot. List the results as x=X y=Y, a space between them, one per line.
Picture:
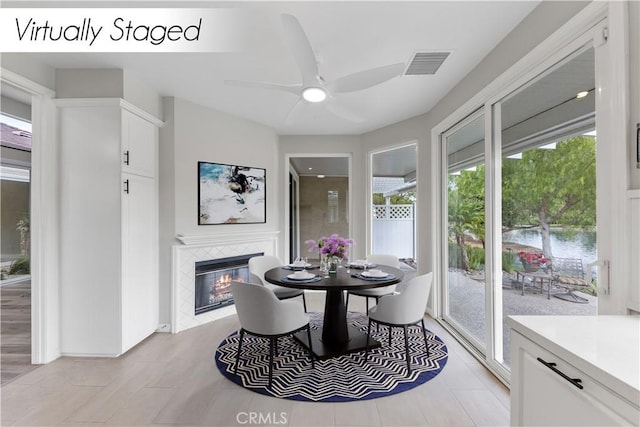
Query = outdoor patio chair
x=569 y=274
x=258 y=265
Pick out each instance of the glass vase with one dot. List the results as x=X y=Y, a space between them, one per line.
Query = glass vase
x=334 y=262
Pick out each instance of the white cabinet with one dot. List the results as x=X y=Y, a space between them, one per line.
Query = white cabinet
x=138 y=145
x=552 y=383
x=109 y=226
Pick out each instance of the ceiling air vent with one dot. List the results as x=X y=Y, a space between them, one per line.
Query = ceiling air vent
x=426 y=63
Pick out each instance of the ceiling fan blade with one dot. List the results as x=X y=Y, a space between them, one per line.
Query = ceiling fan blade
x=294 y=89
x=301 y=49
x=295 y=112
x=339 y=110
x=365 y=79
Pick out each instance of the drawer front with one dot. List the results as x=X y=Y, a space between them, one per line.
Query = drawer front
x=553 y=392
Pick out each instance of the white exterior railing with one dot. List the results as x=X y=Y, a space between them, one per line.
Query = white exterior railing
x=394 y=230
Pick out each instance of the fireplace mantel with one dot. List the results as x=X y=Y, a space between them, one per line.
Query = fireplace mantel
x=234 y=238
x=204 y=247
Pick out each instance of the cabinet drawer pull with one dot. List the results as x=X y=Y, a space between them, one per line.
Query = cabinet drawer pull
x=126 y=157
x=575 y=381
x=126 y=186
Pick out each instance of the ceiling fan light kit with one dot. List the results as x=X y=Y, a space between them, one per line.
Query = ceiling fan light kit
x=314 y=94
x=314 y=89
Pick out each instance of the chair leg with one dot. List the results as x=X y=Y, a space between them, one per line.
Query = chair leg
x=406 y=349
x=366 y=348
x=346 y=303
x=424 y=333
x=235 y=370
x=377 y=324
x=275 y=345
x=304 y=302
x=367 y=298
x=272 y=342
x=313 y=358
x=389 y=327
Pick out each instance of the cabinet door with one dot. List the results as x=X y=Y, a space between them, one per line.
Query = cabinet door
x=138 y=145
x=140 y=259
x=545 y=398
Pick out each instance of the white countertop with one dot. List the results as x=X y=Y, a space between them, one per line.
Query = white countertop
x=607 y=348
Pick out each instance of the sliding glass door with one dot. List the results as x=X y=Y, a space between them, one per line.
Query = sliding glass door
x=519 y=207
x=548 y=194
x=465 y=214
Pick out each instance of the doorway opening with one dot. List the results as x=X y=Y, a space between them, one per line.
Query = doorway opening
x=319 y=198
x=394 y=201
x=15 y=219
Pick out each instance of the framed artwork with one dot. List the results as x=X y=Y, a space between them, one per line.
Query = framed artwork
x=231 y=194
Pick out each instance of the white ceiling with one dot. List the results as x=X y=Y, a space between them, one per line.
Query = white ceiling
x=346 y=37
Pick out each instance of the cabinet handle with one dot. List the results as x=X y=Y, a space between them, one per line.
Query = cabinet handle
x=126 y=157
x=126 y=186
x=575 y=381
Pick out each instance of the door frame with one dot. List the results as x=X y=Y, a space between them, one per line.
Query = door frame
x=286 y=197
x=45 y=303
x=369 y=191
x=612 y=76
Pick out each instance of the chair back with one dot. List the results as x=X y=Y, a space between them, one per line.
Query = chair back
x=258 y=265
x=384 y=259
x=260 y=312
x=567 y=267
x=409 y=305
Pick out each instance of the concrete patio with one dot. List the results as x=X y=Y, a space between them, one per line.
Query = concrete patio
x=466 y=302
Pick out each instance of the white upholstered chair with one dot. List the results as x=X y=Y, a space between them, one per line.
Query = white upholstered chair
x=262 y=314
x=402 y=310
x=378 y=259
x=258 y=265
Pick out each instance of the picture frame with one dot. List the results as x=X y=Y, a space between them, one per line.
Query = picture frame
x=231 y=194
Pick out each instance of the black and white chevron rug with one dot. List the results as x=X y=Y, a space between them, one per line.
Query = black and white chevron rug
x=339 y=379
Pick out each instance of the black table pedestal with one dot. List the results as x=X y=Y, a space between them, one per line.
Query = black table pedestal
x=336 y=337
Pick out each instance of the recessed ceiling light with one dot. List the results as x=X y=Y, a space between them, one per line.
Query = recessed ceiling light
x=320 y=176
x=582 y=94
x=314 y=94
x=310 y=168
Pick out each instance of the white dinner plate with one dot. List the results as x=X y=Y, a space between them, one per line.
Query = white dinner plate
x=378 y=275
x=304 y=277
x=294 y=265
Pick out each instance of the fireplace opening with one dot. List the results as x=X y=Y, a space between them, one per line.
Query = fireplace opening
x=213 y=281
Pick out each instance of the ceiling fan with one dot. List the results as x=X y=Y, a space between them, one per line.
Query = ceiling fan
x=314 y=87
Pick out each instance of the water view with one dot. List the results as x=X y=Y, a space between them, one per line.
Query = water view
x=564 y=243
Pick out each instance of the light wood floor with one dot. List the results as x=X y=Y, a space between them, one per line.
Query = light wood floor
x=172 y=380
x=15 y=330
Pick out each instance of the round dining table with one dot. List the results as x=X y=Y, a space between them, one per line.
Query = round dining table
x=336 y=336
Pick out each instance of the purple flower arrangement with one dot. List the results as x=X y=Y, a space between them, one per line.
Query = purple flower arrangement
x=333 y=245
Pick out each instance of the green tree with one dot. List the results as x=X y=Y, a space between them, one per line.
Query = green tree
x=404 y=198
x=466 y=209
x=548 y=187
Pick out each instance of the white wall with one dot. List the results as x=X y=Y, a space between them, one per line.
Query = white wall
x=28 y=67
x=194 y=133
x=15 y=108
x=108 y=83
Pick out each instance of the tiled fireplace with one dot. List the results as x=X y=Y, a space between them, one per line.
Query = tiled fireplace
x=204 y=249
